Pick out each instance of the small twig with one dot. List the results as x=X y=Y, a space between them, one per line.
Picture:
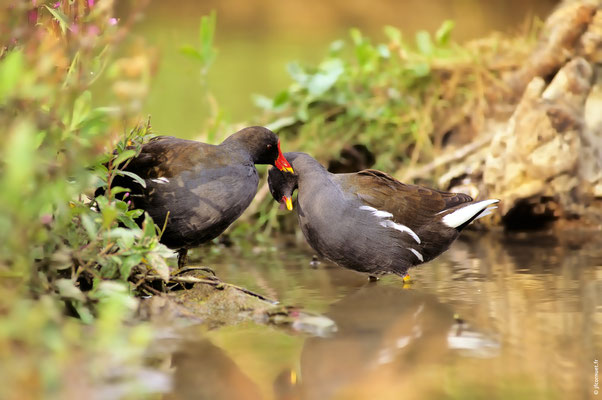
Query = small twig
x=151 y=289
x=447 y=158
x=215 y=282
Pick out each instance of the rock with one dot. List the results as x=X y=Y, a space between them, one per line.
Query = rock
x=540 y=151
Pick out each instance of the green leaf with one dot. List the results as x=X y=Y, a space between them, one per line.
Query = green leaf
x=191 y=51
x=335 y=47
x=263 y=102
x=383 y=51
x=393 y=34
x=420 y=69
x=81 y=109
x=71 y=70
x=133 y=176
x=11 y=69
x=109 y=213
x=60 y=17
x=148 y=227
x=280 y=123
x=128 y=221
x=424 y=43
x=125 y=237
x=19 y=160
x=134 y=213
x=118 y=189
x=281 y=99
x=356 y=36
x=67 y=289
x=157 y=263
x=206 y=35
x=443 y=34
x=296 y=72
x=89 y=226
x=329 y=73
x=128 y=263
x=124 y=155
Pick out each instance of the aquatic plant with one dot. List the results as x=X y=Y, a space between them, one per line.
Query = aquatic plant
x=62 y=254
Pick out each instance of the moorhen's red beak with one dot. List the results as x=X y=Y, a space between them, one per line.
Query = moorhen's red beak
x=288 y=201
x=281 y=163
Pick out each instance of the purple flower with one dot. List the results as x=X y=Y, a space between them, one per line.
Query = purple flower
x=113 y=21
x=126 y=195
x=56 y=5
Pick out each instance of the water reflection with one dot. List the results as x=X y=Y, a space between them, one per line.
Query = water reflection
x=496 y=316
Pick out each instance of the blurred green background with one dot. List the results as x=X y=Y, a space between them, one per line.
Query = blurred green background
x=256 y=39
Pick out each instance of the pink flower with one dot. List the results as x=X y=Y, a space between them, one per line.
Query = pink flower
x=90 y=3
x=56 y=5
x=93 y=30
x=46 y=219
x=113 y=21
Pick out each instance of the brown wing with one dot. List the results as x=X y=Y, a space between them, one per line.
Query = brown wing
x=167 y=156
x=410 y=204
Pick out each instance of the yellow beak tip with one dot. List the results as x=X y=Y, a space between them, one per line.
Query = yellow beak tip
x=289 y=169
x=289 y=204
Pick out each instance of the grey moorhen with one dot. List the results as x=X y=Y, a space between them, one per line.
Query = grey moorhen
x=200 y=188
x=370 y=222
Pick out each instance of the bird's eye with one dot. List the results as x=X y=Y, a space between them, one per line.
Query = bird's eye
x=269 y=146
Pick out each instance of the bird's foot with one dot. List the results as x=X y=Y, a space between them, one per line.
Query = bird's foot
x=182 y=258
x=406 y=278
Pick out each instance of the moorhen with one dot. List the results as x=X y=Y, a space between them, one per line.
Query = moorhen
x=200 y=188
x=370 y=222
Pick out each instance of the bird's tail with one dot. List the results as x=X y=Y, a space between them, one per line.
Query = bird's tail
x=464 y=215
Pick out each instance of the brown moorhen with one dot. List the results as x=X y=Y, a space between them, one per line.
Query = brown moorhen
x=370 y=222
x=200 y=188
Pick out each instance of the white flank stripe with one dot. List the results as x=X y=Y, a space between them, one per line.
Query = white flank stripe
x=161 y=180
x=382 y=214
x=377 y=213
x=401 y=228
x=417 y=254
x=460 y=216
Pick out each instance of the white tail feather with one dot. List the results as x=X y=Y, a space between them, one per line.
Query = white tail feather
x=487 y=211
x=461 y=215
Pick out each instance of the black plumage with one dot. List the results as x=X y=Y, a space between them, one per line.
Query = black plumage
x=200 y=188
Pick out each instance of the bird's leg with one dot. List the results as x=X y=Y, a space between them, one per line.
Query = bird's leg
x=182 y=258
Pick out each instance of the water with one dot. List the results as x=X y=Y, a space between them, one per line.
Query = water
x=497 y=316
